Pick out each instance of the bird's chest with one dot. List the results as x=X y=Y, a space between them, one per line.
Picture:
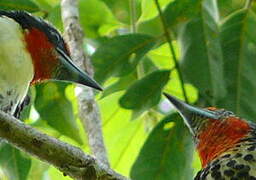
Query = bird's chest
x=238 y=164
x=16 y=68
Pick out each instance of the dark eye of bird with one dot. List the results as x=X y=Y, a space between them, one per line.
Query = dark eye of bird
x=55 y=36
x=228 y=113
x=224 y=113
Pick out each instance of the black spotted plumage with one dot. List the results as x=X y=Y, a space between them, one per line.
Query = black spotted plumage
x=225 y=143
x=233 y=165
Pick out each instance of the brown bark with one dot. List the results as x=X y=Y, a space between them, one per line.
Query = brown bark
x=88 y=108
x=67 y=158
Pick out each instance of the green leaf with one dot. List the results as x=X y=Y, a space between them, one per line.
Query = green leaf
x=176 y=12
x=173 y=87
x=239 y=49
x=121 y=84
x=148 y=66
x=15 y=165
x=149 y=9
x=25 y=113
x=181 y=11
x=126 y=81
x=229 y=6
x=161 y=56
x=26 y=5
x=202 y=56
x=123 y=138
x=38 y=169
x=153 y=27
x=96 y=19
x=167 y=152
x=54 y=16
x=119 y=56
x=46 y=5
x=121 y=9
x=145 y=93
x=54 y=108
x=55 y=174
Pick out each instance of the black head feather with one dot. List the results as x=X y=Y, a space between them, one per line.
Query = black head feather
x=27 y=21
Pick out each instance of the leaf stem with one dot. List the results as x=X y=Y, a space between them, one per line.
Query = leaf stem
x=248 y=4
x=140 y=68
x=133 y=16
x=169 y=40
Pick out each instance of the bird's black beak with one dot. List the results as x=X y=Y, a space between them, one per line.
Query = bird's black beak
x=67 y=71
x=194 y=117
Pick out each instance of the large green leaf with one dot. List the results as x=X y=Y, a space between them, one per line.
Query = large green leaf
x=181 y=11
x=228 y=6
x=176 y=12
x=166 y=154
x=145 y=93
x=239 y=49
x=54 y=108
x=125 y=81
x=26 y=5
x=123 y=138
x=15 y=165
x=202 y=54
x=119 y=56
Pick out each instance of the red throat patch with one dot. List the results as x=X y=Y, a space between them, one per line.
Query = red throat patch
x=42 y=53
x=219 y=136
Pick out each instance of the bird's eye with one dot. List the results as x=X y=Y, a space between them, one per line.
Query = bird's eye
x=55 y=35
x=228 y=113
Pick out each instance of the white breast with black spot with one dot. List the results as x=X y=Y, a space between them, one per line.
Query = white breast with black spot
x=16 y=68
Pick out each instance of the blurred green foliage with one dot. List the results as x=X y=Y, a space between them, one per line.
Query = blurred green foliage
x=215 y=45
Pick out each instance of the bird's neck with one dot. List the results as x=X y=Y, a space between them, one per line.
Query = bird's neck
x=43 y=54
x=220 y=136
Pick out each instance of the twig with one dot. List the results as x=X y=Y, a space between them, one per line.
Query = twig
x=139 y=68
x=67 y=158
x=133 y=16
x=169 y=40
x=89 y=111
x=248 y=4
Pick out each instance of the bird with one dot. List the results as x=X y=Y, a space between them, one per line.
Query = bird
x=226 y=143
x=32 y=51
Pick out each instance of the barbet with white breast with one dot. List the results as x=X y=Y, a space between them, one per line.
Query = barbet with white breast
x=32 y=51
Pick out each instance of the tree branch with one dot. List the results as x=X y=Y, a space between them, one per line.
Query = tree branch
x=67 y=158
x=89 y=111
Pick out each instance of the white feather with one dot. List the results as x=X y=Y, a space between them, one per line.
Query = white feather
x=16 y=68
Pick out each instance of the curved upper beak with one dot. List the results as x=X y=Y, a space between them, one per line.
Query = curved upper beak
x=192 y=116
x=67 y=71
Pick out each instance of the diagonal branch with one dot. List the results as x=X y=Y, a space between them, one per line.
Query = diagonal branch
x=89 y=111
x=67 y=158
